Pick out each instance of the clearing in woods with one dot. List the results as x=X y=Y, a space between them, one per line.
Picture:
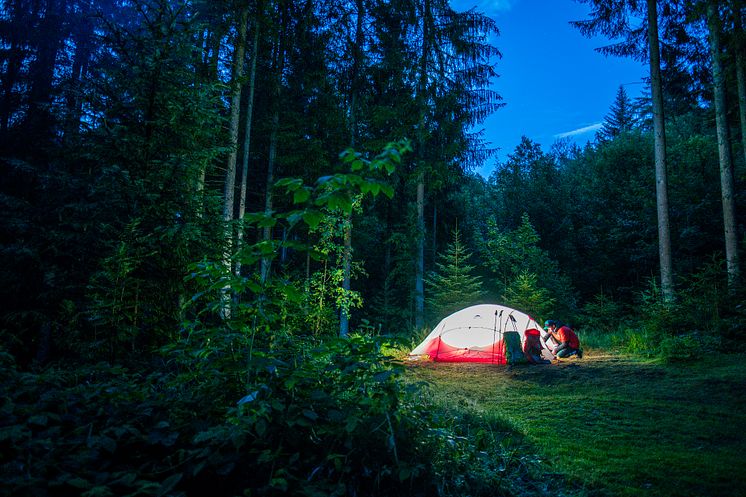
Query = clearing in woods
x=614 y=425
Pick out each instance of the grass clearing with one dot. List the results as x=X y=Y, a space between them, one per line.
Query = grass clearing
x=614 y=425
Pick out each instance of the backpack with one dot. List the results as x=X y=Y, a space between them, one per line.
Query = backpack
x=513 y=349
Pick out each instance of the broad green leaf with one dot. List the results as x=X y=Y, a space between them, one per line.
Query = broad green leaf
x=291 y=184
x=404 y=473
x=295 y=217
x=79 y=483
x=168 y=484
x=292 y=293
x=267 y=222
x=310 y=414
x=99 y=491
x=312 y=218
x=301 y=195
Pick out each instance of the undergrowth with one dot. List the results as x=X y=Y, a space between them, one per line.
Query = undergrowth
x=331 y=419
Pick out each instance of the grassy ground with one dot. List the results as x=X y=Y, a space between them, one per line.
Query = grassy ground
x=617 y=426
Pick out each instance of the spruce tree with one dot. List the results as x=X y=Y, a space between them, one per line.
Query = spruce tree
x=621 y=117
x=453 y=285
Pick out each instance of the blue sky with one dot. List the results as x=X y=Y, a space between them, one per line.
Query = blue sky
x=554 y=84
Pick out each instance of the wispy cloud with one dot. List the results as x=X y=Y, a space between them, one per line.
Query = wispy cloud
x=489 y=7
x=580 y=131
x=498 y=5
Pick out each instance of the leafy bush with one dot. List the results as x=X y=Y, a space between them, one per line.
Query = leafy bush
x=658 y=316
x=688 y=347
x=335 y=419
x=704 y=317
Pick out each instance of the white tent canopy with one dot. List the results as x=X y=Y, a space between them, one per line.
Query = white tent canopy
x=477 y=334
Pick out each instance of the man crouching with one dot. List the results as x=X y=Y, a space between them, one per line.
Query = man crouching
x=569 y=343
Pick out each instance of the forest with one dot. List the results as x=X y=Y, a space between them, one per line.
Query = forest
x=226 y=222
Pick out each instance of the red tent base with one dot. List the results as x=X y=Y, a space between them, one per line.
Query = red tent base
x=438 y=351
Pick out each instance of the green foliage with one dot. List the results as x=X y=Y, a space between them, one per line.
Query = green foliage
x=340 y=414
x=526 y=293
x=324 y=294
x=98 y=430
x=474 y=453
x=699 y=322
x=703 y=297
x=516 y=261
x=688 y=347
x=453 y=285
x=659 y=316
x=637 y=342
x=335 y=418
x=620 y=118
x=603 y=315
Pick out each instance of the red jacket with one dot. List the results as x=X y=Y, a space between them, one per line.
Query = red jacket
x=566 y=334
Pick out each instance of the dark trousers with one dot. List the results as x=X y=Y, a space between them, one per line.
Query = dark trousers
x=564 y=350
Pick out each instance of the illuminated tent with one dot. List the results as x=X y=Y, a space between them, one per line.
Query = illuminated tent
x=485 y=333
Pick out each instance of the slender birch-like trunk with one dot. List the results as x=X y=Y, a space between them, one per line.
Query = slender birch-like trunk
x=344 y=317
x=419 y=283
x=420 y=269
x=247 y=136
x=230 y=173
x=740 y=48
x=279 y=64
x=724 y=150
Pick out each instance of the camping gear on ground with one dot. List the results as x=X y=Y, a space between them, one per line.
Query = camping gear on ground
x=487 y=333
x=533 y=347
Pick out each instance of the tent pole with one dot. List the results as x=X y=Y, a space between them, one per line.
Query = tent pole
x=494 y=334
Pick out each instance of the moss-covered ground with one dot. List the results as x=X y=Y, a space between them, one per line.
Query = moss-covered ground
x=616 y=426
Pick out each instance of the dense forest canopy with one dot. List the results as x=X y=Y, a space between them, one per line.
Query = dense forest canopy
x=127 y=127
x=217 y=180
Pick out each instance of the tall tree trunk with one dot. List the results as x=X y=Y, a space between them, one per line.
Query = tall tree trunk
x=39 y=119
x=419 y=289
x=344 y=318
x=419 y=282
x=387 y=270
x=13 y=68
x=279 y=64
x=230 y=172
x=357 y=64
x=209 y=72
x=344 y=312
x=435 y=232
x=14 y=61
x=235 y=111
x=247 y=135
x=724 y=151
x=267 y=230
x=661 y=174
x=740 y=48
x=83 y=41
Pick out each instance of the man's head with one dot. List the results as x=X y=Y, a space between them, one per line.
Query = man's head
x=550 y=325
